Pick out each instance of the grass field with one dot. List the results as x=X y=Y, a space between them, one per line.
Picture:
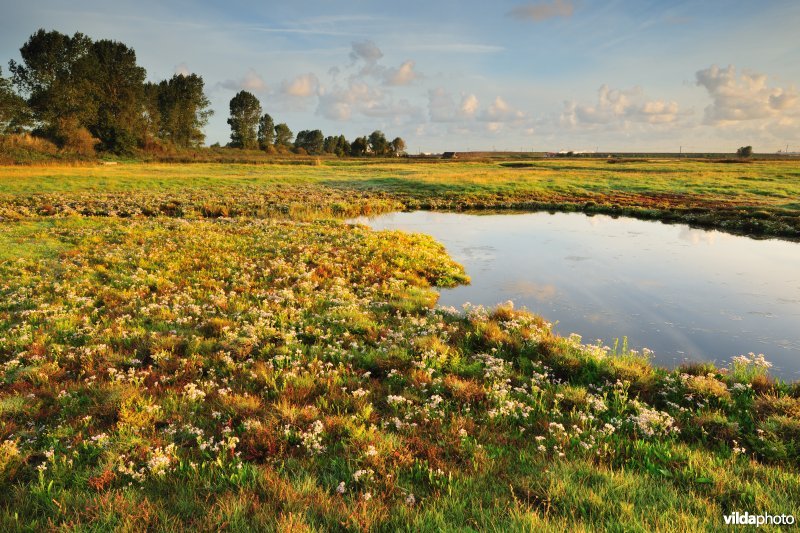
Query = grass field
x=209 y=347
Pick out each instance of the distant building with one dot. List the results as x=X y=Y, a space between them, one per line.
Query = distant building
x=449 y=155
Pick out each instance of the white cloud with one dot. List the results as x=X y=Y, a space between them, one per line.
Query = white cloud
x=182 y=69
x=469 y=105
x=442 y=106
x=251 y=81
x=500 y=111
x=619 y=107
x=301 y=86
x=747 y=97
x=367 y=51
x=359 y=98
x=403 y=75
x=543 y=10
x=368 y=55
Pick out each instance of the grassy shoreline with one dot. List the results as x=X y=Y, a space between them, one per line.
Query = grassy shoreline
x=181 y=349
x=758 y=199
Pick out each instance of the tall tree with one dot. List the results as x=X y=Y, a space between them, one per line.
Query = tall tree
x=14 y=112
x=151 y=115
x=54 y=84
x=359 y=147
x=283 y=135
x=184 y=110
x=397 y=146
x=310 y=140
x=378 y=144
x=342 y=147
x=245 y=112
x=330 y=144
x=116 y=84
x=266 y=131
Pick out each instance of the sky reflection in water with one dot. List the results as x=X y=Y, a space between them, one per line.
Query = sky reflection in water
x=684 y=293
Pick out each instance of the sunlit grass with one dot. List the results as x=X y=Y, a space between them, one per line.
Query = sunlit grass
x=207 y=347
x=759 y=198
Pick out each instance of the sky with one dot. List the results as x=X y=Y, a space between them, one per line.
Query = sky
x=581 y=75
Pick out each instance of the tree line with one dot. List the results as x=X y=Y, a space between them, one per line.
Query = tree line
x=87 y=95
x=250 y=129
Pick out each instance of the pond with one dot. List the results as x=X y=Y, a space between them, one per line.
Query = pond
x=685 y=293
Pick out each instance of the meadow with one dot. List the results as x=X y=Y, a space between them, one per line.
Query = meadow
x=210 y=347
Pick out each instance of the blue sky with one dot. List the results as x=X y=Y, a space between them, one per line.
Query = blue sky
x=553 y=75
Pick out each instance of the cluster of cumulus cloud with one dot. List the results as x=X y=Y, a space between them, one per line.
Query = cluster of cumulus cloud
x=364 y=86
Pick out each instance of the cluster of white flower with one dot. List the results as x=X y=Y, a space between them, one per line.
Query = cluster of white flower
x=193 y=393
x=312 y=438
x=366 y=473
x=161 y=459
x=651 y=422
x=752 y=359
x=397 y=400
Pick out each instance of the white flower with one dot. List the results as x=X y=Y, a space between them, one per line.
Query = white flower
x=341 y=488
x=191 y=391
x=651 y=422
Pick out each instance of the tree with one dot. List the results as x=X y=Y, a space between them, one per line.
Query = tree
x=151 y=116
x=342 y=147
x=330 y=144
x=378 y=144
x=14 y=112
x=359 y=147
x=266 y=131
x=745 y=151
x=397 y=146
x=115 y=83
x=245 y=112
x=184 y=110
x=310 y=140
x=53 y=83
x=283 y=135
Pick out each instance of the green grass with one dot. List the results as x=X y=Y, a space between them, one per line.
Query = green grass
x=759 y=198
x=206 y=347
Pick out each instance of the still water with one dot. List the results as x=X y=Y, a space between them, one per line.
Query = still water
x=687 y=294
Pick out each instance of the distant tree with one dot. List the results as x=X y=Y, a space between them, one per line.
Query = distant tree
x=184 y=110
x=283 y=135
x=745 y=151
x=359 y=147
x=266 y=131
x=245 y=112
x=15 y=115
x=52 y=81
x=342 y=147
x=151 y=116
x=378 y=144
x=397 y=146
x=330 y=144
x=311 y=141
x=115 y=83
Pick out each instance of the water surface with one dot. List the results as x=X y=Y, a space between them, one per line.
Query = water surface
x=685 y=293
